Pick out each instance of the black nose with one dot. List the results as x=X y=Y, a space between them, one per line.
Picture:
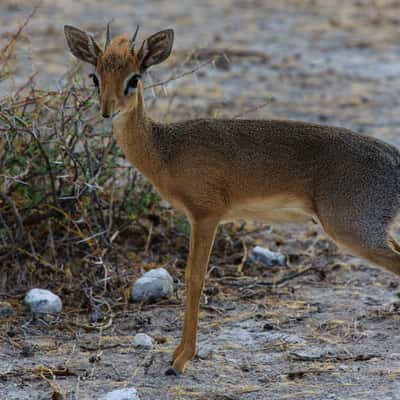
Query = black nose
x=106 y=115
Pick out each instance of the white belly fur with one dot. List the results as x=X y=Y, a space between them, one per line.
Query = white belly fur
x=277 y=209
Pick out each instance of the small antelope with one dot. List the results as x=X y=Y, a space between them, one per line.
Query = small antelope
x=216 y=170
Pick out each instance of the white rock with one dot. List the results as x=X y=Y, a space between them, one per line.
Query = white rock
x=154 y=284
x=121 y=394
x=42 y=301
x=164 y=204
x=142 y=340
x=266 y=257
x=204 y=351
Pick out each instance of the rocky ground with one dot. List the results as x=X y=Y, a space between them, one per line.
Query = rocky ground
x=330 y=333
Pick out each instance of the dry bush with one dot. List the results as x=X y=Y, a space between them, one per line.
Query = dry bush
x=67 y=197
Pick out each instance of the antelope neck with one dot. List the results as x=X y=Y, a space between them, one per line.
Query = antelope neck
x=132 y=130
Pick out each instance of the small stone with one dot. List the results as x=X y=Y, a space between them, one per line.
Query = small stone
x=42 y=301
x=95 y=358
x=309 y=354
x=164 y=204
x=393 y=285
x=158 y=337
x=6 y=310
x=222 y=62
x=204 y=351
x=268 y=327
x=331 y=396
x=393 y=304
x=121 y=394
x=143 y=341
x=216 y=272
x=27 y=350
x=282 y=336
x=154 y=284
x=323 y=117
x=95 y=316
x=266 y=257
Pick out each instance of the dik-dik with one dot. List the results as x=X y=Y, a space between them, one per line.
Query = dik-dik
x=217 y=170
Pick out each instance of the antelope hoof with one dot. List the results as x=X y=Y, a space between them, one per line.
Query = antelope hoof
x=172 y=372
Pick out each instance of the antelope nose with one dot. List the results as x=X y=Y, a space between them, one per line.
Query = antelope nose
x=106 y=115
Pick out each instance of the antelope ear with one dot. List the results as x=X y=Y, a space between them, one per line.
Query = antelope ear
x=155 y=49
x=82 y=45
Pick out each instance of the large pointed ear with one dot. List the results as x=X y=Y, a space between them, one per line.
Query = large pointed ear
x=155 y=49
x=82 y=44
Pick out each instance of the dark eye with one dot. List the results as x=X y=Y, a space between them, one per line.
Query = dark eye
x=95 y=80
x=131 y=84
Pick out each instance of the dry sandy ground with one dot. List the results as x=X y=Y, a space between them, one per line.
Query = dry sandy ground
x=325 y=335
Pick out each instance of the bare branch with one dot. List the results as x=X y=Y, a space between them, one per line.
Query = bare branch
x=182 y=75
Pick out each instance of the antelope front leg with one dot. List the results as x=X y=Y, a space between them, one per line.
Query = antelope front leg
x=201 y=241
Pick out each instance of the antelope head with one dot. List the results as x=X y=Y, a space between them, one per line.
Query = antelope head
x=120 y=66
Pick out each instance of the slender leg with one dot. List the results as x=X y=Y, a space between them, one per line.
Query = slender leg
x=201 y=241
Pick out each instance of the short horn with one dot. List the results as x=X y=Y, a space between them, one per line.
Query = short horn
x=134 y=39
x=108 y=35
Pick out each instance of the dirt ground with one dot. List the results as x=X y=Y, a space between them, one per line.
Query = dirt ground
x=331 y=333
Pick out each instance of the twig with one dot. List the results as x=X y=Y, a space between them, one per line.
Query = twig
x=38 y=258
x=244 y=258
x=93 y=327
x=182 y=75
x=240 y=283
x=18 y=218
x=148 y=240
x=17 y=34
x=253 y=109
x=26 y=84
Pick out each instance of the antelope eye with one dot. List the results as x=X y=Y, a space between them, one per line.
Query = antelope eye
x=95 y=80
x=131 y=84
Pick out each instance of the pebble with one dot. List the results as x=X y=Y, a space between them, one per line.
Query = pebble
x=268 y=327
x=42 y=301
x=266 y=257
x=153 y=285
x=6 y=310
x=143 y=341
x=121 y=394
x=309 y=354
x=95 y=316
x=285 y=337
x=204 y=351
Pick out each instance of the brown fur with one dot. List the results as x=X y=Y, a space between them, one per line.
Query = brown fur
x=217 y=170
